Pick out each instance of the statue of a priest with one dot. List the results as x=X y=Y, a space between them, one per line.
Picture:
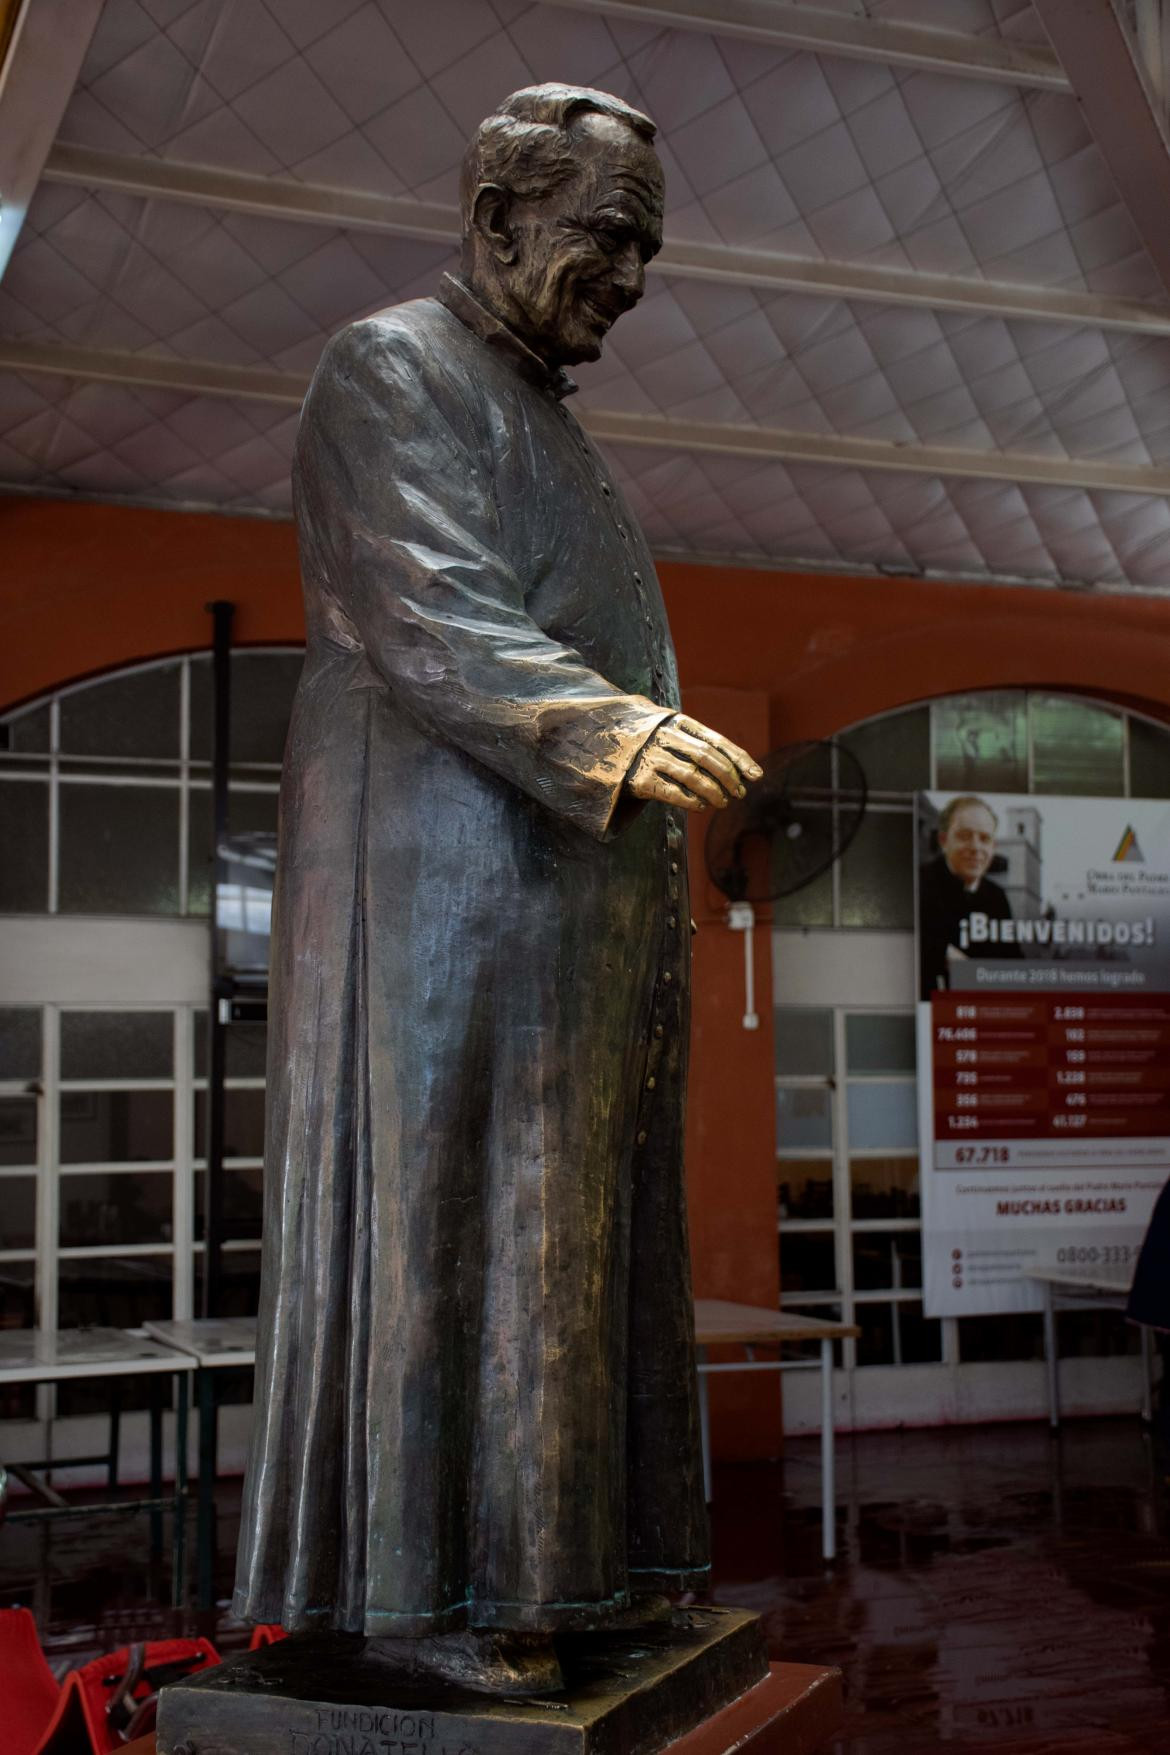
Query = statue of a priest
x=475 y=1392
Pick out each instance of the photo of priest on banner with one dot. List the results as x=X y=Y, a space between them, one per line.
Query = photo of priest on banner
x=953 y=885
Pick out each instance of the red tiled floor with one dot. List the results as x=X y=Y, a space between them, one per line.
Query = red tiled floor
x=997 y=1588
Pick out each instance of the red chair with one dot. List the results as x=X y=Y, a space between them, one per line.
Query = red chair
x=266 y=1633
x=28 y=1687
x=111 y=1701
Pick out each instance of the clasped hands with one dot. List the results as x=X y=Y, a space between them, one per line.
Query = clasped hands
x=688 y=765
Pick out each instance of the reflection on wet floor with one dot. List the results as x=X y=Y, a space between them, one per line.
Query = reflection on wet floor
x=996 y=1587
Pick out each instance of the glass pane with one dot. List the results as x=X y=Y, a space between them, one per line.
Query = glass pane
x=116 y=1127
x=984 y=1339
x=129 y=715
x=20 y=1042
x=804 y=1041
x=18 y=1212
x=24 y=847
x=247 y=812
x=811 y=906
x=117 y=1045
x=28 y=732
x=877 y=873
x=239 y=1288
x=244 y=1052
x=981 y=742
x=887 y=1261
x=1076 y=747
x=883 y=1115
x=884 y=1188
x=242 y=1203
x=880 y=1042
x=115 y=1292
x=803 y=1118
x=897 y=1334
x=820 y=1313
x=894 y=752
x=78 y=1397
x=18 y=1132
x=1096 y=1334
x=263 y=686
x=17 y=1303
x=243 y=1127
x=808 y=1261
x=115 y=1209
x=119 y=850
x=804 y=1188
x=1149 y=759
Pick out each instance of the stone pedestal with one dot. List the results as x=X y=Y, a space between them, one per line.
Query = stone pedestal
x=631 y=1692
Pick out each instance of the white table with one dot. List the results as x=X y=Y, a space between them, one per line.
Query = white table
x=32 y=1356
x=720 y=1323
x=1090 y=1289
x=213 y=1343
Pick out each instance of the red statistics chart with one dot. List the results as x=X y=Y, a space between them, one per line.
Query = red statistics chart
x=1050 y=1066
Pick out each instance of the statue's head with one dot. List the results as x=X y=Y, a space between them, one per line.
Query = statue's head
x=562 y=209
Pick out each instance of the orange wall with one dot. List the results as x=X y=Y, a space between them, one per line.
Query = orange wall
x=766 y=657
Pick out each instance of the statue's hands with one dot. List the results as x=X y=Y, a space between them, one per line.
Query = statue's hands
x=690 y=766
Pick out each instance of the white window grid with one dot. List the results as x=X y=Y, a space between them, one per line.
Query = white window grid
x=186 y=776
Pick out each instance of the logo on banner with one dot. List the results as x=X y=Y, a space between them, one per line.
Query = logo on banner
x=1128 y=850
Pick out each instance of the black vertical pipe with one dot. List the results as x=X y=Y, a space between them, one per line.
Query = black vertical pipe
x=220 y=983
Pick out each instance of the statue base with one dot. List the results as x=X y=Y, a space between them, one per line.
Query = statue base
x=629 y=1692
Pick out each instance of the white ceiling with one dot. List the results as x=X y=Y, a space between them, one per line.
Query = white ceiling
x=767 y=148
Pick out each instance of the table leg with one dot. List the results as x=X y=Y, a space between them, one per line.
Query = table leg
x=704 y=1423
x=828 y=1459
x=1051 y=1361
x=115 y=1444
x=1147 y=1374
x=205 y=1522
x=156 y=1461
x=179 y=1519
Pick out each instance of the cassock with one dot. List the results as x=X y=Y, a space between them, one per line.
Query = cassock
x=475 y=1392
x=944 y=902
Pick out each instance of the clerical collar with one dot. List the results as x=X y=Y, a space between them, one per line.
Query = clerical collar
x=462 y=303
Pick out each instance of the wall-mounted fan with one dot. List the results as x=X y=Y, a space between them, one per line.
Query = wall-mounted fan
x=793 y=825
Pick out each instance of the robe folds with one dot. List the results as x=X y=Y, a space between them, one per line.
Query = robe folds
x=475 y=1392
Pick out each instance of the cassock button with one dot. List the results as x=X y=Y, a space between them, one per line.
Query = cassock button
x=672 y=921
x=641 y=1139
x=658 y=1029
x=667 y=977
x=650 y=1083
x=674 y=865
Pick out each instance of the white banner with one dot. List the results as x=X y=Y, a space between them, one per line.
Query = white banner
x=1043 y=929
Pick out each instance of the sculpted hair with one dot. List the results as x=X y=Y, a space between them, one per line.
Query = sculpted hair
x=528 y=145
x=951 y=810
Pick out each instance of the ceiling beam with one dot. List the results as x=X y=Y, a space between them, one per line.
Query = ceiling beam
x=1104 y=63
x=727 y=264
x=145 y=371
x=914 y=47
x=49 y=39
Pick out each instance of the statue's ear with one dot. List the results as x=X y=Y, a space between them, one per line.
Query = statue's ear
x=491 y=219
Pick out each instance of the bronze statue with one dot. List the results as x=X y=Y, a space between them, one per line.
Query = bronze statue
x=475 y=1395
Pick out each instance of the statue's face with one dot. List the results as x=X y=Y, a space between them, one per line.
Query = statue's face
x=581 y=251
